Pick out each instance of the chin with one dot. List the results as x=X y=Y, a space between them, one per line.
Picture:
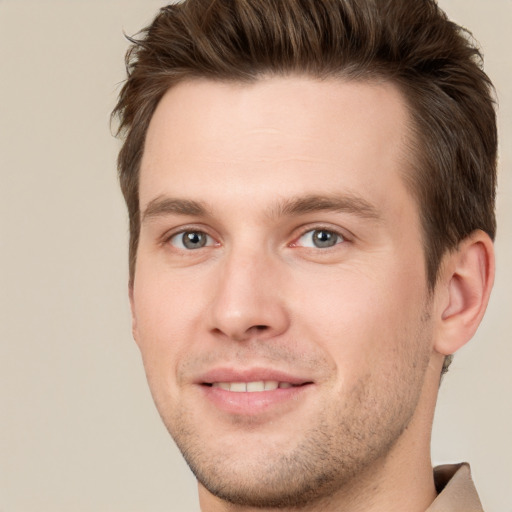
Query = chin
x=277 y=474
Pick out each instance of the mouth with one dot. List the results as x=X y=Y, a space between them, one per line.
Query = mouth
x=253 y=392
x=259 y=386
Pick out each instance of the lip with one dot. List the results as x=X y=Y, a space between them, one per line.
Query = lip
x=253 y=403
x=250 y=375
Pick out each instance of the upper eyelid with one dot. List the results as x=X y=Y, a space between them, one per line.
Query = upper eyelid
x=297 y=233
x=344 y=233
x=176 y=237
x=296 y=241
x=170 y=233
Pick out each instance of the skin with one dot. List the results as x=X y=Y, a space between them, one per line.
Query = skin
x=240 y=168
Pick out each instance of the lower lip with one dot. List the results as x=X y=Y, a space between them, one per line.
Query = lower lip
x=255 y=403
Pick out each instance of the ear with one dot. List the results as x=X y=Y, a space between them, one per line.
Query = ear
x=135 y=332
x=467 y=276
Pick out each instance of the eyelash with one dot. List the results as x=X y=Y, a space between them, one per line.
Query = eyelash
x=341 y=238
x=191 y=230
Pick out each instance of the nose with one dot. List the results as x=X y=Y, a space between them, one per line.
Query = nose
x=249 y=300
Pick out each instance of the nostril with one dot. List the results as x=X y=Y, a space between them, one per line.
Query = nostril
x=261 y=327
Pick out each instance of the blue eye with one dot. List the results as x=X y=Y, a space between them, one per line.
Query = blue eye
x=320 y=239
x=189 y=240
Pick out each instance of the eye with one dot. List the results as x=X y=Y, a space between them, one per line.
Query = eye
x=320 y=239
x=189 y=240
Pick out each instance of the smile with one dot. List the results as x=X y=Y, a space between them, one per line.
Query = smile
x=253 y=387
x=255 y=398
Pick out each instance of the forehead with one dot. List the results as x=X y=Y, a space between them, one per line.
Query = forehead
x=280 y=134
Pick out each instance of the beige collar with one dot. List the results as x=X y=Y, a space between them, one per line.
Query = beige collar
x=457 y=492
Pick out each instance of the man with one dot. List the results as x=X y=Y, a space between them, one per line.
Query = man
x=311 y=196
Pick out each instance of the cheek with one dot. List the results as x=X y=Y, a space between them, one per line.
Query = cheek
x=361 y=320
x=167 y=312
x=165 y=301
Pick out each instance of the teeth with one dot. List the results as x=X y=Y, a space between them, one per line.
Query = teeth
x=255 y=386
x=252 y=387
x=238 y=387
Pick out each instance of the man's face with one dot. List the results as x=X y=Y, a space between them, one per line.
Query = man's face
x=280 y=299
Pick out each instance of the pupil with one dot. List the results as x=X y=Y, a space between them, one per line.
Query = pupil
x=324 y=239
x=194 y=240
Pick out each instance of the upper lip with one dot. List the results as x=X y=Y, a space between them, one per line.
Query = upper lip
x=224 y=374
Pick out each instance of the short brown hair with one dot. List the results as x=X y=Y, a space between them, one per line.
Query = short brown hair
x=433 y=61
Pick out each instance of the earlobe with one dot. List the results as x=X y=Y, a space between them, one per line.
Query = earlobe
x=468 y=276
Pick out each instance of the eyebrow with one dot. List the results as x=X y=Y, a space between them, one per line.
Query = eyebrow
x=302 y=205
x=161 y=206
x=346 y=203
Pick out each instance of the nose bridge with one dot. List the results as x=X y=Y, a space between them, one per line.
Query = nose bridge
x=248 y=300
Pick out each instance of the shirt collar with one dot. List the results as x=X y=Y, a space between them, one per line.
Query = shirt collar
x=456 y=490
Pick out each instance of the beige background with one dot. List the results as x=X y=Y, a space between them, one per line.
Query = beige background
x=78 y=430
